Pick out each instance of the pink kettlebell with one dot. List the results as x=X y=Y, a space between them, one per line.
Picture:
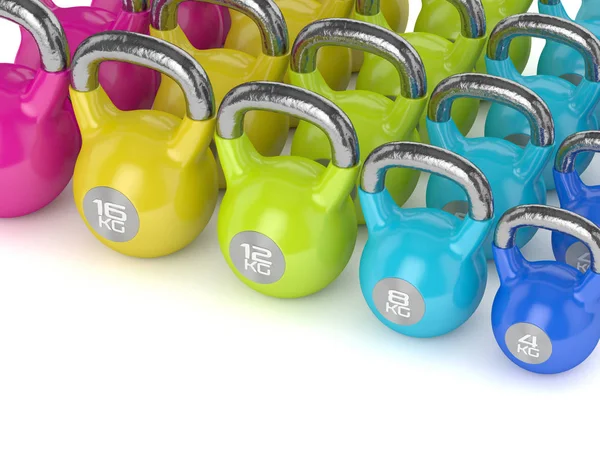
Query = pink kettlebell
x=205 y=25
x=39 y=136
x=129 y=86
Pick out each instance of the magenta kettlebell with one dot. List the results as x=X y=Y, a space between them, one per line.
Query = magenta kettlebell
x=130 y=87
x=39 y=136
x=205 y=25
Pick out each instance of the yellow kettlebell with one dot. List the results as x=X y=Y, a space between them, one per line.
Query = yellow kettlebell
x=228 y=68
x=145 y=182
x=334 y=63
x=396 y=15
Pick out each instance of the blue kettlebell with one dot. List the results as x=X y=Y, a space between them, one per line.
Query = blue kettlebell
x=572 y=106
x=561 y=60
x=423 y=271
x=515 y=175
x=575 y=196
x=590 y=9
x=545 y=314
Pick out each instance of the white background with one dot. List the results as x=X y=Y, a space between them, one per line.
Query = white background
x=102 y=351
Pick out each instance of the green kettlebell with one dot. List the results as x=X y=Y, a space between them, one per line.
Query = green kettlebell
x=376 y=118
x=442 y=58
x=287 y=225
x=439 y=17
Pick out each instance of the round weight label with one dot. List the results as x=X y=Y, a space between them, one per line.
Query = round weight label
x=528 y=343
x=111 y=214
x=257 y=257
x=398 y=301
x=458 y=208
x=578 y=256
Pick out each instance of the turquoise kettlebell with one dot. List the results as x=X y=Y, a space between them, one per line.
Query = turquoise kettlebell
x=562 y=60
x=590 y=9
x=572 y=106
x=515 y=175
x=423 y=271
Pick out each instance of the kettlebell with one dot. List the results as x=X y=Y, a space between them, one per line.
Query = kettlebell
x=441 y=57
x=575 y=196
x=205 y=25
x=129 y=87
x=514 y=175
x=145 y=182
x=286 y=225
x=572 y=106
x=228 y=68
x=335 y=63
x=396 y=14
x=590 y=9
x=545 y=314
x=423 y=271
x=562 y=60
x=439 y=17
x=376 y=119
x=39 y=137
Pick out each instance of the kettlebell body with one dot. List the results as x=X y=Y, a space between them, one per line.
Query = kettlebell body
x=39 y=137
x=575 y=196
x=205 y=25
x=441 y=58
x=545 y=314
x=396 y=14
x=441 y=18
x=572 y=106
x=228 y=68
x=376 y=119
x=145 y=182
x=423 y=271
x=562 y=60
x=129 y=87
x=334 y=63
x=287 y=225
x=514 y=174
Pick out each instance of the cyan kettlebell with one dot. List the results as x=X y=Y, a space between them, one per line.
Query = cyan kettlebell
x=423 y=271
x=562 y=60
x=376 y=118
x=575 y=196
x=441 y=57
x=590 y=9
x=287 y=226
x=514 y=174
x=545 y=315
x=572 y=106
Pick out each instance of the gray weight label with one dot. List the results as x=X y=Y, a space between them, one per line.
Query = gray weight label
x=528 y=343
x=519 y=139
x=573 y=78
x=398 y=301
x=458 y=208
x=111 y=214
x=578 y=256
x=257 y=257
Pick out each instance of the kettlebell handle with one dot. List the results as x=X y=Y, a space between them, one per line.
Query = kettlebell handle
x=547 y=27
x=135 y=6
x=297 y=102
x=264 y=13
x=471 y=12
x=586 y=141
x=548 y=218
x=149 y=52
x=45 y=28
x=434 y=160
x=499 y=90
x=365 y=37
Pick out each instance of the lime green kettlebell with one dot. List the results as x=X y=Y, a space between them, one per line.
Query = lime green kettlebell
x=442 y=58
x=376 y=118
x=287 y=226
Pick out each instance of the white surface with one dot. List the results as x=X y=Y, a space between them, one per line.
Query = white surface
x=101 y=351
